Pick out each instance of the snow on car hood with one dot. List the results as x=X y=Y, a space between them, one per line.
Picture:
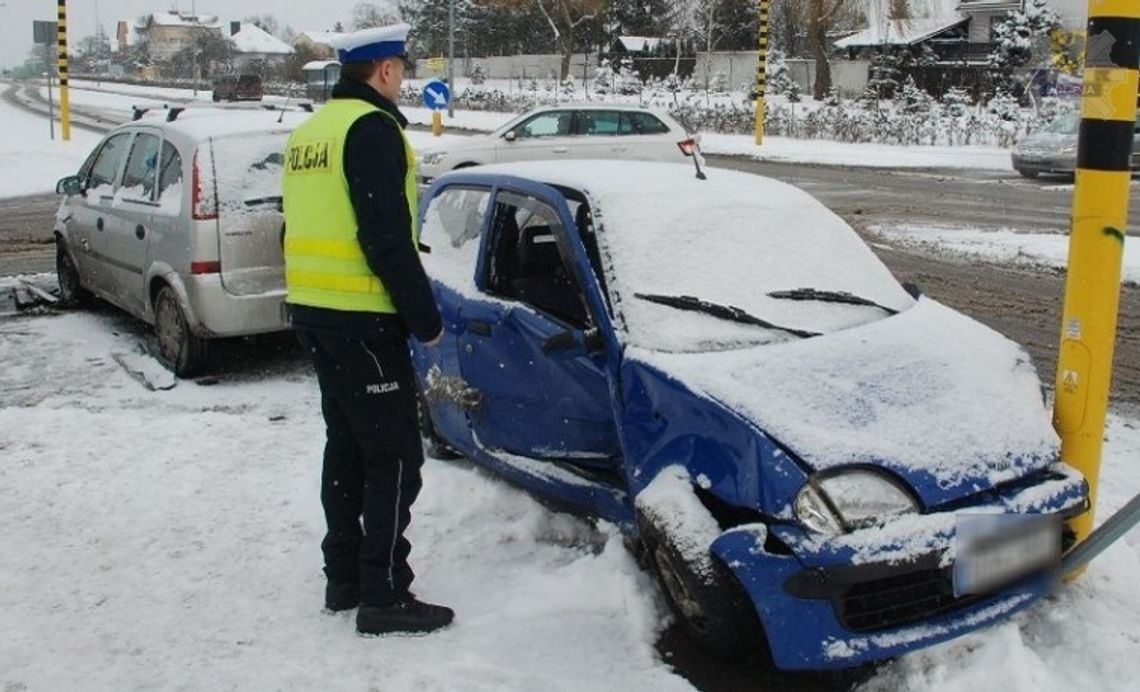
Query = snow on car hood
x=950 y=405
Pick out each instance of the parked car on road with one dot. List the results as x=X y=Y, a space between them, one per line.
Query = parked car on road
x=176 y=218
x=566 y=132
x=238 y=87
x=1053 y=150
x=795 y=442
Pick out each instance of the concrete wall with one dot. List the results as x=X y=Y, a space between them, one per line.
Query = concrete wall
x=850 y=76
x=518 y=66
x=739 y=66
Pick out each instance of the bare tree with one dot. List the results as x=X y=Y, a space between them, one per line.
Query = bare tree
x=566 y=18
x=266 y=22
x=366 y=15
x=821 y=15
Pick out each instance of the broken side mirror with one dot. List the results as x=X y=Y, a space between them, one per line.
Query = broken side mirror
x=70 y=186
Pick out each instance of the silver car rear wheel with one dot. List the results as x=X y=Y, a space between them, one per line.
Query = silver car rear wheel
x=178 y=348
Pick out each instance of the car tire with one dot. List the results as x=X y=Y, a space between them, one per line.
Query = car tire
x=713 y=609
x=178 y=348
x=71 y=291
x=434 y=446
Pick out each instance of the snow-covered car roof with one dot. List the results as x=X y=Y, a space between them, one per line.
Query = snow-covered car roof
x=201 y=123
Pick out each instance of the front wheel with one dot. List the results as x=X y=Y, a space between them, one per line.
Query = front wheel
x=710 y=603
x=178 y=348
x=71 y=291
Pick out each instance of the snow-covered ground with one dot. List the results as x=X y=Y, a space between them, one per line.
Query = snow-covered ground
x=169 y=539
x=30 y=160
x=1004 y=246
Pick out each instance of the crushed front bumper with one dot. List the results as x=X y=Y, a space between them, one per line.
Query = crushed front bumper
x=878 y=593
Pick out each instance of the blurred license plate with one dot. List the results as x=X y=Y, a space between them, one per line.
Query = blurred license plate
x=994 y=550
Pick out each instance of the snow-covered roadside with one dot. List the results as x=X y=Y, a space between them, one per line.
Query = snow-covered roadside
x=1001 y=246
x=30 y=161
x=169 y=539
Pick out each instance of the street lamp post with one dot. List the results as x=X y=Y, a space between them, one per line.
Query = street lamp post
x=194 y=47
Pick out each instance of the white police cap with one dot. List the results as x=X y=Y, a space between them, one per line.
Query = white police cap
x=371 y=44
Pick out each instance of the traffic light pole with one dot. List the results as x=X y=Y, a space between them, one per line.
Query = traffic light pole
x=1096 y=243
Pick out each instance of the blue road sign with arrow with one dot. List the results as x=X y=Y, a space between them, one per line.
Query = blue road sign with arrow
x=436 y=95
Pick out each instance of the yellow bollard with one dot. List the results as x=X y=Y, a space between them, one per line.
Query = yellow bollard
x=762 y=71
x=436 y=123
x=761 y=110
x=64 y=95
x=1097 y=235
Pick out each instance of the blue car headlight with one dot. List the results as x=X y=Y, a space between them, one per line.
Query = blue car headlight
x=835 y=503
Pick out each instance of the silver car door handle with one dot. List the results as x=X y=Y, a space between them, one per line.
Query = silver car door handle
x=561 y=150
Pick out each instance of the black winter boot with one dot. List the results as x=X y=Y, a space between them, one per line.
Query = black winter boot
x=406 y=615
x=341 y=595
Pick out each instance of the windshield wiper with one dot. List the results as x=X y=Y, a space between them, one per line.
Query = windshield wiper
x=830 y=297
x=727 y=312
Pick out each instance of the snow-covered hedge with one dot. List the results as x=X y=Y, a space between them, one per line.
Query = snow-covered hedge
x=913 y=118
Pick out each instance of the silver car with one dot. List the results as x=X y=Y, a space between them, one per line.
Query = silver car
x=1054 y=148
x=176 y=218
x=579 y=131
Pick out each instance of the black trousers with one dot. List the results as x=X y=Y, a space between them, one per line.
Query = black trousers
x=372 y=461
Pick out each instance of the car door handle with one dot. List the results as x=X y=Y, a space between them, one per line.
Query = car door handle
x=479 y=327
x=140 y=232
x=99 y=223
x=561 y=150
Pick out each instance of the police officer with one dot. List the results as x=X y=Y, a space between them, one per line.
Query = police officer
x=356 y=291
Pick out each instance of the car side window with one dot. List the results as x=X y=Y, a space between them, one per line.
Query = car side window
x=643 y=124
x=601 y=122
x=527 y=264
x=141 y=174
x=451 y=230
x=552 y=124
x=106 y=165
x=170 y=179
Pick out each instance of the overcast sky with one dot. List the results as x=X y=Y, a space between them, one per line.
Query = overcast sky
x=16 y=16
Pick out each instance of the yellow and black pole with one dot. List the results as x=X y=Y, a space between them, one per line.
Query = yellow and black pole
x=64 y=97
x=1097 y=234
x=762 y=71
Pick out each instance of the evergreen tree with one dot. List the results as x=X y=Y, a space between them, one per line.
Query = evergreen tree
x=1022 y=37
x=957 y=102
x=638 y=18
x=884 y=76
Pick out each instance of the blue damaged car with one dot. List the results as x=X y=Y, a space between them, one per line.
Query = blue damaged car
x=792 y=440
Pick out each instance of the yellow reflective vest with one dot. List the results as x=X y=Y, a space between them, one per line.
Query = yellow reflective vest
x=324 y=265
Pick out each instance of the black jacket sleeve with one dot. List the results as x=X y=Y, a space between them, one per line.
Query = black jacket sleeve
x=375 y=167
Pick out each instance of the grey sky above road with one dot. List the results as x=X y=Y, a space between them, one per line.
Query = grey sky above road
x=16 y=16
